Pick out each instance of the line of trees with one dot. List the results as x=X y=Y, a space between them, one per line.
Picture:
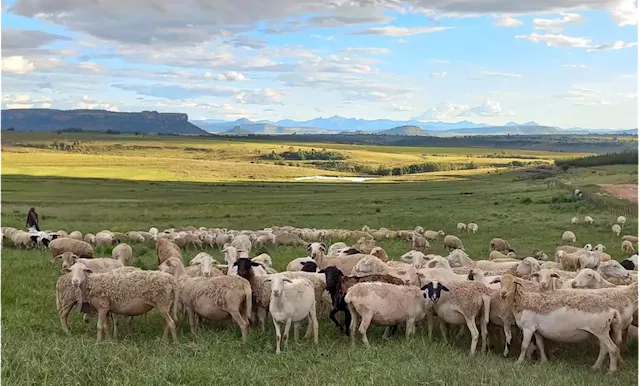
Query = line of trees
x=623 y=158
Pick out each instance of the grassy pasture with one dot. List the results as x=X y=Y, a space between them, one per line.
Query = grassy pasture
x=529 y=213
x=168 y=158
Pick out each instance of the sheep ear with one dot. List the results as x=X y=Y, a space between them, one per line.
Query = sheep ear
x=308 y=247
x=444 y=288
x=421 y=275
x=88 y=270
x=431 y=264
x=555 y=275
x=194 y=262
x=65 y=270
x=303 y=262
x=254 y=264
x=286 y=279
x=235 y=264
x=536 y=274
x=496 y=280
x=424 y=287
x=322 y=271
x=324 y=247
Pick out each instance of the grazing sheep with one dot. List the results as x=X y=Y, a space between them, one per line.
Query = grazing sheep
x=579 y=260
x=130 y=292
x=461 y=304
x=241 y=243
x=499 y=255
x=65 y=244
x=632 y=239
x=461 y=226
x=501 y=245
x=556 y=316
x=588 y=220
x=62 y=233
x=338 y=285
x=90 y=238
x=202 y=265
x=384 y=304
x=419 y=229
x=263 y=259
x=292 y=303
x=335 y=247
x=540 y=255
x=344 y=263
x=297 y=264
x=365 y=245
x=616 y=229
x=574 y=220
x=76 y=235
x=621 y=220
x=568 y=237
x=166 y=249
x=214 y=298
x=263 y=240
x=96 y=265
x=452 y=242
x=588 y=278
x=22 y=239
x=371 y=265
x=103 y=238
x=572 y=249
x=627 y=247
x=288 y=239
x=472 y=227
x=380 y=254
x=433 y=235
x=123 y=253
x=419 y=243
x=222 y=239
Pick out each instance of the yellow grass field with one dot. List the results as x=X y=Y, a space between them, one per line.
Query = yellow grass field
x=169 y=158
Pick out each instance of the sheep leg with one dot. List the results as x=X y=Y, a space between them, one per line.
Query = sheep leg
x=332 y=316
x=287 y=326
x=102 y=316
x=347 y=322
x=353 y=324
x=527 y=334
x=262 y=318
x=605 y=340
x=387 y=332
x=114 y=320
x=443 y=331
x=507 y=338
x=192 y=322
x=278 y=336
x=601 y=355
x=237 y=317
x=410 y=328
x=483 y=334
x=314 y=321
x=430 y=324
x=540 y=345
x=64 y=314
x=364 y=325
x=296 y=332
x=169 y=326
x=307 y=334
x=473 y=329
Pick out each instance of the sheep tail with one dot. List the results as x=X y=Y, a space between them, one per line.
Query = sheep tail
x=486 y=303
x=248 y=300
x=616 y=327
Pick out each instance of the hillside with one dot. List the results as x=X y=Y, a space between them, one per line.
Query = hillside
x=43 y=120
x=404 y=130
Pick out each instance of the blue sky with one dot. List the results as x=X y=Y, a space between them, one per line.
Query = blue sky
x=563 y=63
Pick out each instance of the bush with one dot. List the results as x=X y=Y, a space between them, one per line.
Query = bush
x=526 y=200
x=623 y=158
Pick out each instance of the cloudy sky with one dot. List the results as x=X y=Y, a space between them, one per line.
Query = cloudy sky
x=557 y=62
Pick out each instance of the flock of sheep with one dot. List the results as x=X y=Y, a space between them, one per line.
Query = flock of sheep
x=580 y=294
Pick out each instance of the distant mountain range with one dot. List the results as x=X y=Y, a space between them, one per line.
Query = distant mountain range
x=176 y=123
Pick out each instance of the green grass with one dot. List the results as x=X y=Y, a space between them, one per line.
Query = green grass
x=35 y=351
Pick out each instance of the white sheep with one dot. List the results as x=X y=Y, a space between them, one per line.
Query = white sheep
x=103 y=238
x=621 y=220
x=568 y=237
x=335 y=247
x=75 y=235
x=123 y=253
x=588 y=220
x=130 y=292
x=22 y=239
x=153 y=231
x=452 y=242
x=65 y=244
x=574 y=220
x=627 y=247
x=499 y=255
x=433 y=235
x=292 y=303
x=498 y=244
x=616 y=229
x=460 y=303
x=461 y=226
x=384 y=304
x=472 y=227
x=419 y=242
x=588 y=278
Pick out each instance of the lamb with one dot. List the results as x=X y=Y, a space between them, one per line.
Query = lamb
x=288 y=239
x=241 y=243
x=501 y=245
x=579 y=260
x=384 y=304
x=263 y=240
x=499 y=255
x=588 y=278
x=461 y=304
x=461 y=226
x=472 y=227
x=338 y=285
x=616 y=273
x=90 y=238
x=202 y=265
x=419 y=242
x=556 y=316
x=123 y=253
x=574 y=220
x=365 y=245
x=627 y=246
x=222 y=239
x=22 y=239
x=452 y=242
x=135 y=237
x=131 y=292
x=297 y=264
x=213 y=298
x=103 y=238
x=291 y=304
x=96 y=265
x=65 y=244
x=433 y=235
x=166 y=249
x=588 y=220
x=632 y=239
x=616 y=229
x=568 y=237
x=621 y=220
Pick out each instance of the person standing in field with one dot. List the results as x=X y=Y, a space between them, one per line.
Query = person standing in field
x=32 y=219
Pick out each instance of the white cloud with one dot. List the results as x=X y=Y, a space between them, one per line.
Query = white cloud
x=399 y=31
x=501 y=74
x=88 y=103
x=556 y=40
x=625 y=12
x=260 y=97
x=367 y=50
x=574 y=66
x=25 y=101
x=619 y=45
x=396 y=107
x=449 y=111
x=507 y=21
x=557 y=25
x=631 y=95
x=230 y=76
x=439 y=74
x=17 y=65
x=321 y=37
x=439 y=61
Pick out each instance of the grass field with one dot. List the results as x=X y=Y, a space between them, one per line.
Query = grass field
x=531 y=214
x=169 y=158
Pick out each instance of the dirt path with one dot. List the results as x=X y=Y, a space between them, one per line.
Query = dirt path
x=626 y=191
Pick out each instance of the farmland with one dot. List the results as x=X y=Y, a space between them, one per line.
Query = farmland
x=133 y=182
